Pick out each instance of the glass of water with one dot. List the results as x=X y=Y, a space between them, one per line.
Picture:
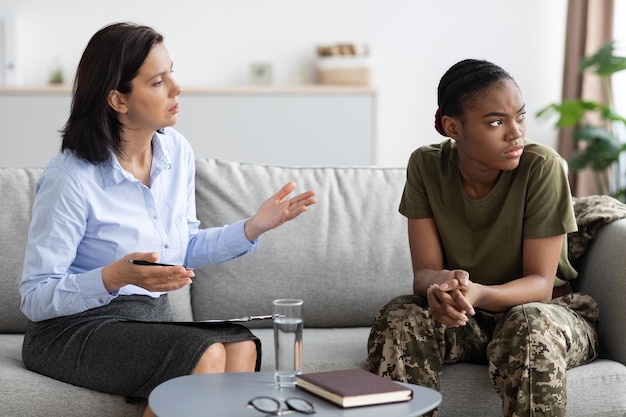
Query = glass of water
x=288 y=325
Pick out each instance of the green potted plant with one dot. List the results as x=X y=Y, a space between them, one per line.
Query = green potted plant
x=602 y=147
x=56 y=76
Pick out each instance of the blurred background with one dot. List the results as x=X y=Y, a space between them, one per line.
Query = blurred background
x=410 y=44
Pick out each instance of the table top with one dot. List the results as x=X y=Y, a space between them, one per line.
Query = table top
x=218 y=395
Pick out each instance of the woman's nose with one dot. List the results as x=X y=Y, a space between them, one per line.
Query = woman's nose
x=516 y=130
x=176 y=89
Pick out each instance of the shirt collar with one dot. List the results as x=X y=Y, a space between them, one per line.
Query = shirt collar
x=113 y=173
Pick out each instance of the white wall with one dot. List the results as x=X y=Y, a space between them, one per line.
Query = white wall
x=413 y=42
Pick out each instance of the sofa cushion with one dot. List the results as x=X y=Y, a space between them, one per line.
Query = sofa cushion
x=17 y=186
x=343 y=247
x=180 y=303
x=603 y=276
x=584 y=395
x=323 y=349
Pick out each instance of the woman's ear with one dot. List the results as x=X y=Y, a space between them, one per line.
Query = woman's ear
x=451 y=126
x=116 y=101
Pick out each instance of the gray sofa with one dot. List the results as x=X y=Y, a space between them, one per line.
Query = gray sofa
x=346 y=258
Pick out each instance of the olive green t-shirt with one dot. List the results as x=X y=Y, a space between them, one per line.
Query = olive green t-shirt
x=485 y=236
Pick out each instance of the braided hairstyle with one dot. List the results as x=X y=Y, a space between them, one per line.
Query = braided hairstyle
x=461 y=84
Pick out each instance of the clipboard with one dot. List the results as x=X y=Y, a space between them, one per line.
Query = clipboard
x=209 y=322
x=237 y=320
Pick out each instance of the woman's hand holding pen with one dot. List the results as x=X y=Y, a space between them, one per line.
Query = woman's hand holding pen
x=449 y=301
x=277 y=210
x=150 y=277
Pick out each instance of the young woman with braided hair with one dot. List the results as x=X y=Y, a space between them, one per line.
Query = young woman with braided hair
x=488 y=213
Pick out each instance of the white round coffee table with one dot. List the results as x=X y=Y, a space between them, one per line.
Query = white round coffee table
x=225 y=395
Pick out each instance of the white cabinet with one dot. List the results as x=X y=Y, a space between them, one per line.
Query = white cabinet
x=30 y=121
x=279 y=126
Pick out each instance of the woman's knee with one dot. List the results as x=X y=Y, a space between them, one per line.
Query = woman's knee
x=526 y=330
x=241 y=356
x=213 y=360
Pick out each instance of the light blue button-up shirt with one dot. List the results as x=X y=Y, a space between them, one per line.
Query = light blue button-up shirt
x=86 y=216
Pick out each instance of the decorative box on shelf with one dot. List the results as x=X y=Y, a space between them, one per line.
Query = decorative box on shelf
x=343 y=70
x=343 y=64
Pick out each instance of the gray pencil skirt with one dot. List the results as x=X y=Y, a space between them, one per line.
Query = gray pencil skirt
x=116 y=349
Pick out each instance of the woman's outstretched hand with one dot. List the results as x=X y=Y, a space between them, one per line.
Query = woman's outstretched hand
x=277 y=210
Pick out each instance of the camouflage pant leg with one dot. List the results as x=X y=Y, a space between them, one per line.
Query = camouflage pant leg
x=406 y=344
x=532 y=347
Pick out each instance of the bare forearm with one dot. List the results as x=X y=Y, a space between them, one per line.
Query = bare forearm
x=496 y=298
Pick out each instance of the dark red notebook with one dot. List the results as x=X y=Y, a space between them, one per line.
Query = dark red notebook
x=353 y=387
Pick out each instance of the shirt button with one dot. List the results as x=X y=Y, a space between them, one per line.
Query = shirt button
x=154 y=216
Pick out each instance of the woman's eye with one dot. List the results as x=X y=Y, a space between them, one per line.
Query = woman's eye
x=496 y=123
x=158 y=83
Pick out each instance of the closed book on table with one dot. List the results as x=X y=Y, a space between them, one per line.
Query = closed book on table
x=353 y=387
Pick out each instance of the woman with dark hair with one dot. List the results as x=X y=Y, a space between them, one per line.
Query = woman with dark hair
x=122 y=190
x=488 y=212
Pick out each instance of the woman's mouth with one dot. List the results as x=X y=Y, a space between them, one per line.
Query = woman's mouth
x=513 y=151
x=174 y=109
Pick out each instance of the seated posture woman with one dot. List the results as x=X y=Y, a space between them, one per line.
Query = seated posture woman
x=122 y=189
x=488 y=212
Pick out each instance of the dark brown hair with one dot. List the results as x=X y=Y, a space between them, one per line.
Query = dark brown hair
x=110 y=61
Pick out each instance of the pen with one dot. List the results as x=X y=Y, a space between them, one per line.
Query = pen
x=139 y=262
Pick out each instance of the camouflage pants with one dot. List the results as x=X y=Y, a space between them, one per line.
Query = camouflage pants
x=528 y=348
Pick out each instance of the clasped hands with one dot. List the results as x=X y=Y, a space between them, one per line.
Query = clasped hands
x=449 y=302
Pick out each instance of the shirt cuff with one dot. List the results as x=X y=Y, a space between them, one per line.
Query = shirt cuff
x=236 y=237
x=93 y=289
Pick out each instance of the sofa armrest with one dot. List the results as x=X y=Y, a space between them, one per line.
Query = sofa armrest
x=603 y=276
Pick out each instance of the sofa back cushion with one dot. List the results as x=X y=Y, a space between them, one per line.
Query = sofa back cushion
x=345 y=257
x=17 y=191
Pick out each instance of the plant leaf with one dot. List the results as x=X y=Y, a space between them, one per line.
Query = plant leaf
x=604 y=62
x=570 y=112
x=602 y=148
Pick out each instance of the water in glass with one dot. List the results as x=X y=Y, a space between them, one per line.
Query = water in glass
x=288 y=349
